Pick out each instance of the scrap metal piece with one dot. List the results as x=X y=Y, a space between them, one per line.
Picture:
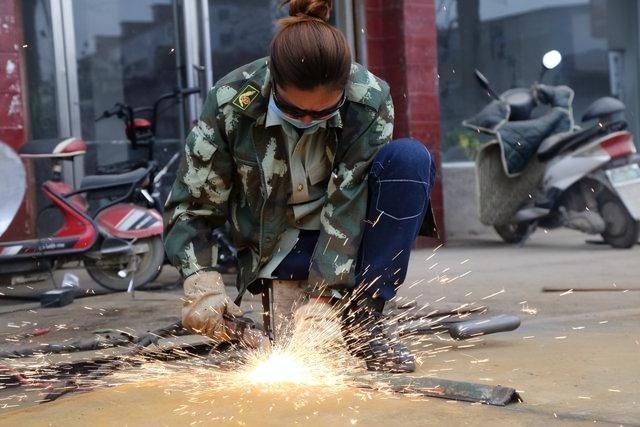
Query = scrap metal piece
x=490 y=325
x=416 y=310
x=603 y=289
x=460 y=329
x=444 y=389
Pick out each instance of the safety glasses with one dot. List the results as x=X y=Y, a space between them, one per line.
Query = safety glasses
x=295 y=112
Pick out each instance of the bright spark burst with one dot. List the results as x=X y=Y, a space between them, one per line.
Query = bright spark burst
x=281 y=367
x=310 y=352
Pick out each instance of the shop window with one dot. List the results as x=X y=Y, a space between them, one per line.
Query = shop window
x=240 y=32
x=125 y=53
x=40 y=69
x=506 y=39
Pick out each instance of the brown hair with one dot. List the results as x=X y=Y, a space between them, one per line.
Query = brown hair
x=307 y=51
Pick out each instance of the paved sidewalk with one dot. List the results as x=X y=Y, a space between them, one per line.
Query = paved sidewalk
x=575 y=359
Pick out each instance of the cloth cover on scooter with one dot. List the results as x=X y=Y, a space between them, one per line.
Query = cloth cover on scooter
x=498 y=196
x=519 y=140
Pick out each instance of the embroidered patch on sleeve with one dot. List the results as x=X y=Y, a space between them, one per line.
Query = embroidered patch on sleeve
x=245 y=97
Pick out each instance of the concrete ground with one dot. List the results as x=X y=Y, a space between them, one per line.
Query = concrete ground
x=574 y=360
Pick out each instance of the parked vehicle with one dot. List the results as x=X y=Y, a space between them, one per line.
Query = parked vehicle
x=140 y=129
x=140 y=126
x=543 y=171
x=119 y=243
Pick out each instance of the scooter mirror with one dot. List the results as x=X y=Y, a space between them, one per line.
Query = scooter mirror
x=551 y=59
x=482 y=80
x=11 y=170
x=485 y=84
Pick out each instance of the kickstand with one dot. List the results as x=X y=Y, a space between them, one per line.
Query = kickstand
x=530 y=229
x=133 y=266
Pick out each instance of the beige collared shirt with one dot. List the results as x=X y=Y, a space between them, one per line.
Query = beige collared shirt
x=310 y=168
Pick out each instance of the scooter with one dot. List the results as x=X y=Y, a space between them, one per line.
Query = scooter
x=119 y=243
x=543 y=171
x=140 y=129
x=140 y=125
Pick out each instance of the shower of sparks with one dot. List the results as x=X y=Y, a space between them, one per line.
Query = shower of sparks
x=307 y=363
x=279 y=367
x=494 y=294
x=309 y=352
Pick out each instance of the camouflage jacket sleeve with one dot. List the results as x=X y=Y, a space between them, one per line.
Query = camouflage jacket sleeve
x=198 y=202
x=342 y=218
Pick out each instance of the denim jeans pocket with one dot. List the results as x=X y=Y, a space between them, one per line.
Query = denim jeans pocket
x=402 y=199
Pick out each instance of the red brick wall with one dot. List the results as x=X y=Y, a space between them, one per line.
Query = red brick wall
x=12 y=129
x=12 y=106
x=401 y=49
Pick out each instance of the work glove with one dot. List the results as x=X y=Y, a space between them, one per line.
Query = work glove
x=318 y=323
x=205 y=304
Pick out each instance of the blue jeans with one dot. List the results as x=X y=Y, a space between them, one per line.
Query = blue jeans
x=400 y=182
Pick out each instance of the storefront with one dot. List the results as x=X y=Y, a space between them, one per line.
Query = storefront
x=84 y=56
x=73 y=59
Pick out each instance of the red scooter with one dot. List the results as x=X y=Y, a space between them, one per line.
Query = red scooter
x=119 y=242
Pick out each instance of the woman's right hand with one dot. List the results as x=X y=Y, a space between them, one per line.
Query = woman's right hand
x=205 y=303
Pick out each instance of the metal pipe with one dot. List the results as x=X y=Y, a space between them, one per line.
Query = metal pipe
x=69 y=35
x=62 y=92
x=178 y=53
x=491 y=325
x=206 y=46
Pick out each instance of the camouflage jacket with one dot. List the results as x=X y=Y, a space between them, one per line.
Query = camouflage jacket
x=234 y=168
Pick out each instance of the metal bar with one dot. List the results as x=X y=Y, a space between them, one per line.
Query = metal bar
x=190 y=22
x=571 y=290
x=484 y=326
x=360 y=23
x=71 y=69
x=345 y=22
x=62 y=90
x=177 y=44
x=206 y=43
x=444 y=389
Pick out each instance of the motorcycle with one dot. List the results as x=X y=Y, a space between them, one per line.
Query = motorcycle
x=542 y=170
x=119 y=243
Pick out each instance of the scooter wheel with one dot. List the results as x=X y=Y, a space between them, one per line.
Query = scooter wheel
x=622 y=230
x=105 y=271
x=512 y=233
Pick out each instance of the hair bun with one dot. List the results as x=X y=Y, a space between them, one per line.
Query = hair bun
x=319 y=9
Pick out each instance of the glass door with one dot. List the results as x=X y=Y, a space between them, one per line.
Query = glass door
x=124 y=52
x=240 y=32
x=108 y=51
x=42 y=96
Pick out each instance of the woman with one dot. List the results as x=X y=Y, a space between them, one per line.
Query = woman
x=294 y=150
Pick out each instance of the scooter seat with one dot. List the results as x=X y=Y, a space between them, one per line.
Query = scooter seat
x=603 y=109
x=554 y=144
x=56 y=148
x=91 y=181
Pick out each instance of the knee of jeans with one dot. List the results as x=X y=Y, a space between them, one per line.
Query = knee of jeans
x=407 y=153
